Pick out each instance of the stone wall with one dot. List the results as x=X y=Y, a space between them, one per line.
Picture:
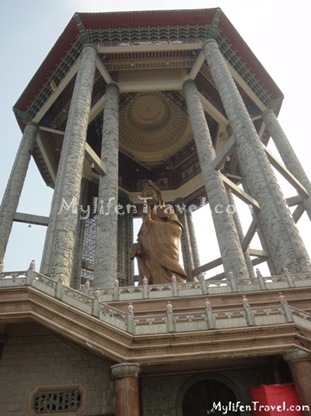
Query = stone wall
x=162 y=395
x=32 y=357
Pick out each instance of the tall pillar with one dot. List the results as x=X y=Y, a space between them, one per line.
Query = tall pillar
x=105 y=271
x=126 y=377
x=239 y=229
x=75 y=280
x=228 y=239
x=61 y=232
x=125 y=241
x=287 y=154
x=300 y=364
x=185 y=243
x=15 y=185
x=193 y=240
x=284 y=243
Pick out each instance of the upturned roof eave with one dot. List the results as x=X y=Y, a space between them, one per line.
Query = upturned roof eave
x=91 y=21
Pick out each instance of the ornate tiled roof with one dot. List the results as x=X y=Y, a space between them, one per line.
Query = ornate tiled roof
x=149 y=54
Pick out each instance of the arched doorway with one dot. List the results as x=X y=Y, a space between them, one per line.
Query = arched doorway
x=209 y=396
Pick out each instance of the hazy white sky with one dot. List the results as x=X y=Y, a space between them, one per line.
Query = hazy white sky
x=278 y=32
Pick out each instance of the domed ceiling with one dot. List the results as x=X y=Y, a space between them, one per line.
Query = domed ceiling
x=153 y=127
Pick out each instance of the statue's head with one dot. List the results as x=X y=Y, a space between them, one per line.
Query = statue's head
x=150 y=190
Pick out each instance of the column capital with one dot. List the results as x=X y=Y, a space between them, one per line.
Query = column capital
x=90 y=45
x=113 y=84
x=123 y=370
x=209 y=40
x=268 y=111
x=32 y=123
x=297 y=355
x=188 y=81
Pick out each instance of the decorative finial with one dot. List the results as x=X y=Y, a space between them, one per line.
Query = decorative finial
x=258 y=273
x=87 y=284
x=32 y=265
x=245 y=301
x=282 y=298
x=169 y=307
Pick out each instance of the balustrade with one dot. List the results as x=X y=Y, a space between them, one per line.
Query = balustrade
x=95 y=302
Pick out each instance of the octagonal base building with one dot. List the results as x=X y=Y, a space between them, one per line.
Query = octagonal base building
x=178 y=100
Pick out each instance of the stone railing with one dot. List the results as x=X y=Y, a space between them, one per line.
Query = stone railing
x=203 y=287
x=94 y=302
x=170 y=290
x=207 y=319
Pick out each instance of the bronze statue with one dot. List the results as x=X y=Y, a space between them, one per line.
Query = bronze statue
x=157 y=247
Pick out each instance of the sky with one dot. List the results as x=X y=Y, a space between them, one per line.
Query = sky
x=278 y=32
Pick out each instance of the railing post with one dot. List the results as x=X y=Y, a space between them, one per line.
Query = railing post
x=203 y=286
x=286 y=309
x=29 y=276
x=170 y=326
x=248 y=312
x=209 y=315
x=232 y=282
x=288 y=277
x=95 y=307
x=130 y=326
x=59 y=289
x=262 y=283
x=145 y=288
x=174 y=286
x=116 y=290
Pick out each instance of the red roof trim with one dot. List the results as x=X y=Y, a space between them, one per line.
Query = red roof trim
x=56 y=54
x=246 y=54
x=147 y=18
x=136 y=19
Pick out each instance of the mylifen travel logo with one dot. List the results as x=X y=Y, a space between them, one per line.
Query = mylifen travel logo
x=235 y=407
x=110 y=206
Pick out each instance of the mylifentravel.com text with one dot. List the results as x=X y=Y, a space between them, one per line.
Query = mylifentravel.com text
x=235 y=407
x=112 y=207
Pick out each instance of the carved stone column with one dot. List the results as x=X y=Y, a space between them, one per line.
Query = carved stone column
x=126 y=376
x=228 y=239
x=287 y=154
x=193 y=240
x=300 y=364
x=61 y=233
x=186 y=245
x=284 y=243
x=75 y=280
x=239 y=228
x=125 y=240
x=15 y=185
x=105 y=271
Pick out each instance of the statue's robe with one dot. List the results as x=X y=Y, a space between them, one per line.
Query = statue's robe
x=157 y=247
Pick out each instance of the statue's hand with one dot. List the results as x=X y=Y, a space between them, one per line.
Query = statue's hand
x=135 y=250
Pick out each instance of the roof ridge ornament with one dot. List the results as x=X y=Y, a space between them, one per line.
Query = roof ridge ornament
x=83 y=34
x=213 y=27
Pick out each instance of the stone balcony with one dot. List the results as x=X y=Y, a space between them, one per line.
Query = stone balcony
x=193 y=306
x=196 y=323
